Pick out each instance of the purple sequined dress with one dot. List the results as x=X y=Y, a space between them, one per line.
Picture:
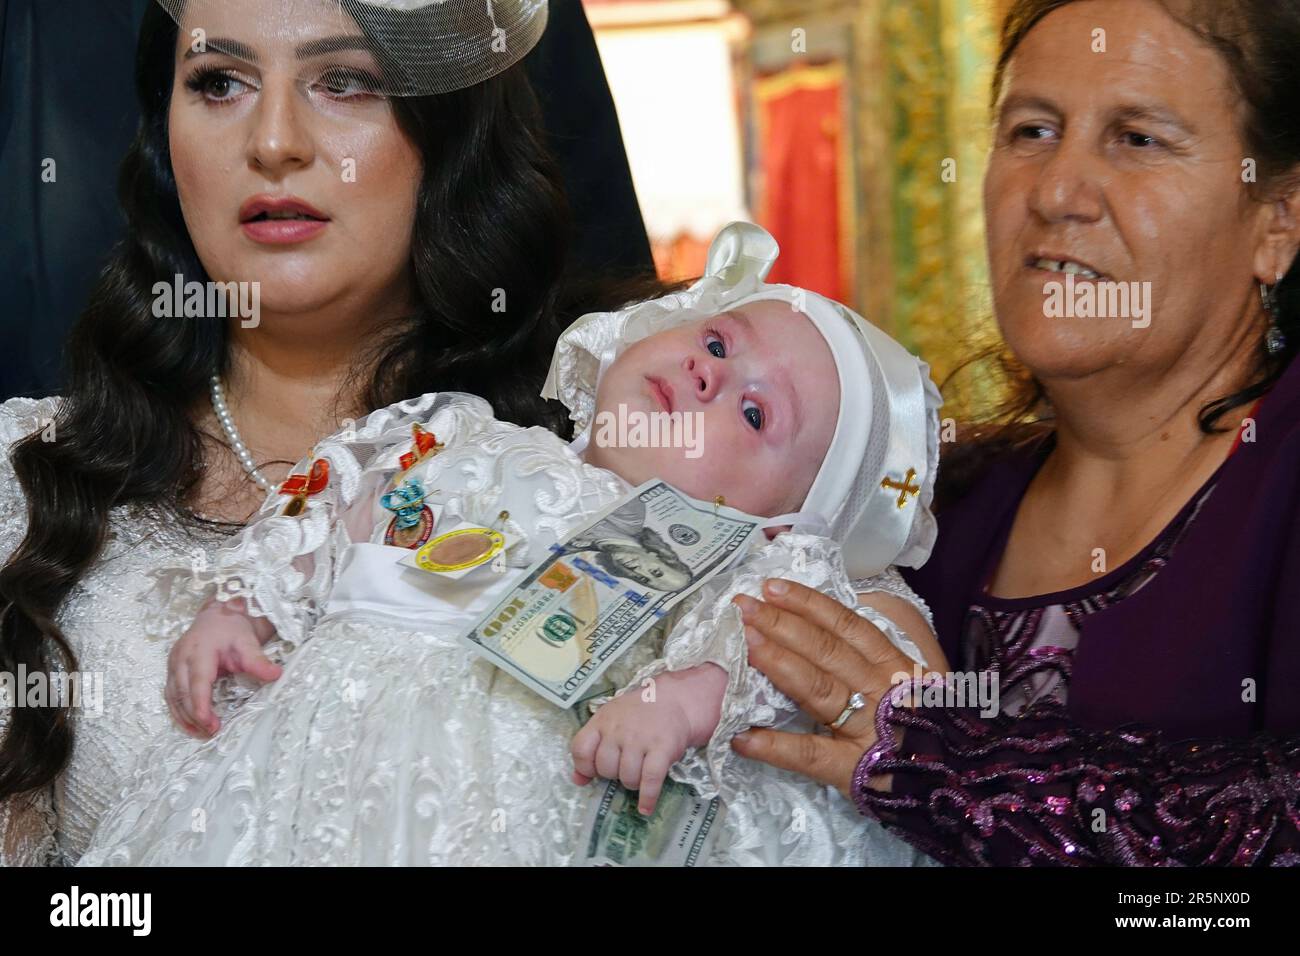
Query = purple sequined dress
x=1029 y=786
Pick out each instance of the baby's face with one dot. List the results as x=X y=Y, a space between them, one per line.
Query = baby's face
x=760 y=388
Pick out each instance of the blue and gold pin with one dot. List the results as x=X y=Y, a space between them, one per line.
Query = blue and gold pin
x=412 y=522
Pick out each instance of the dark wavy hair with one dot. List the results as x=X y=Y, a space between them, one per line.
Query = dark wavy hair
x=490 y=206
x=1260 y=42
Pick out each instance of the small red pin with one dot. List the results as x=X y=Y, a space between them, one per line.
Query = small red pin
x=426 y=443
x=303 y=487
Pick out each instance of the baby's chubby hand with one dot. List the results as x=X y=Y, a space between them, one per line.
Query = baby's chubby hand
x=638 y=735
x=223 y=640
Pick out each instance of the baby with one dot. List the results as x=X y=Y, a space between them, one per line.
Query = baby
x=808 y=416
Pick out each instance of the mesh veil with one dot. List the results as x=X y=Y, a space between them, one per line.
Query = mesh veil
x=410 y=47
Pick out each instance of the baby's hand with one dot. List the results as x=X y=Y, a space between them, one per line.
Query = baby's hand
x=637 y=736
x=223 y=640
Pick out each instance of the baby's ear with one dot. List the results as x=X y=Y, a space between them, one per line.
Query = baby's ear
x=773 y=532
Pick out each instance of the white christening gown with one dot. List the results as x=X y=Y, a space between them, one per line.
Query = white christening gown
x=387 y=741
x=100 y=619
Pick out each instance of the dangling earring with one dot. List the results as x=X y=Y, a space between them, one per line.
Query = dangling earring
x=1274 y=338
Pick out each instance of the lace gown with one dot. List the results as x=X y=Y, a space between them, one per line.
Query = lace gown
x=386 y=741
x=101 y=619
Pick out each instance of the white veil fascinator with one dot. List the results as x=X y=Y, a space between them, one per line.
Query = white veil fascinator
x=419 y=47
x=875 y=488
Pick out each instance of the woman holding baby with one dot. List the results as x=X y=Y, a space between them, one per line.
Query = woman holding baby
x=1126 y=567
x=290 y=151
x=406 y=225
x=1135 y=514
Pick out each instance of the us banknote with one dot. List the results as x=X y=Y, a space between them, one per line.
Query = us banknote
x=680 y=832
x=610 y=582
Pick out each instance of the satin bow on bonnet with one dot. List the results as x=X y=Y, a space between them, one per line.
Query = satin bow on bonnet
x=875 y=488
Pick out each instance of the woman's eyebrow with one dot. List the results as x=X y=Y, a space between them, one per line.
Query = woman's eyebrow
x=242 y=51
x=1152 y=114
x=1023 y=101
x=1130 y=112
x=347 y=41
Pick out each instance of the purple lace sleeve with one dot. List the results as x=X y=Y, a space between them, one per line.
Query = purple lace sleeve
x=1039 y=790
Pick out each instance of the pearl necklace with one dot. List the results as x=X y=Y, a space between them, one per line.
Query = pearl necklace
x=237 y=445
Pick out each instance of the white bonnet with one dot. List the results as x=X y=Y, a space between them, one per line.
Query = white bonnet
x=888 y=425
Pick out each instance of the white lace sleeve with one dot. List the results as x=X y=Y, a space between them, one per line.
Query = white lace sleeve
x=27 y=830
x=283 y=566
x=279 y=565
x=892 y=583
x=711 y=632
x=19 y=417
x=27 y=822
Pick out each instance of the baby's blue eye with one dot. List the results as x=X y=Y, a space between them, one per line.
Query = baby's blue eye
x=754 y=415
x=716 y=348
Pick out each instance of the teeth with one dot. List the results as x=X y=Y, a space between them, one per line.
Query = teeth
x=1066 y=266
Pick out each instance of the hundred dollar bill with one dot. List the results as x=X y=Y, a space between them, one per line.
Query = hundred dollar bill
x=576 y=611
x=679 y=832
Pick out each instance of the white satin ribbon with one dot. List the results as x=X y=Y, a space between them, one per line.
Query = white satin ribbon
x=878 y=535
x=740 y=251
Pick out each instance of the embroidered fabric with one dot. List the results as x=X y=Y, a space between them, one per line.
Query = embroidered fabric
x=712 y=632
x=1031 y=644
x=1032 y=790
x=892 y=583
x=101 y=621
x=1029 y=787
x=27 y=828
x=283 y=567
x=27 y=825
x=386 y=741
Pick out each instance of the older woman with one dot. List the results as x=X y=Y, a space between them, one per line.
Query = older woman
x=1130 y=573
x=376 y=170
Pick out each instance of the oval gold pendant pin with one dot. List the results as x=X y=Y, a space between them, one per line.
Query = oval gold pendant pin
x=460 y=550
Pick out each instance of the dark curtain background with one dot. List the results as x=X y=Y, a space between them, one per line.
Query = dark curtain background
x=66 y=94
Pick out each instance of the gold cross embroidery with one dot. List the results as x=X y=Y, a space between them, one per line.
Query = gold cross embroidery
x=904 y=488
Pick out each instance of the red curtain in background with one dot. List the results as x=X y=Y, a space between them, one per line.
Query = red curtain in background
x=800 y=127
